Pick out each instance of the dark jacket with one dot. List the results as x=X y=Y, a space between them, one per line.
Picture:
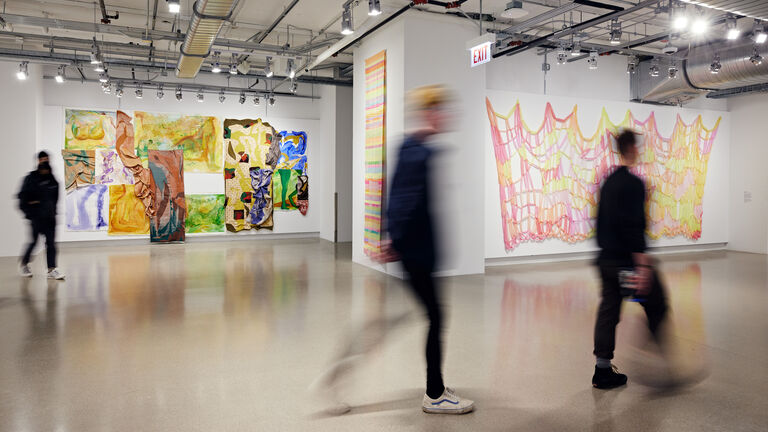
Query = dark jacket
x=621 y=218
x=38 y=196
x=409 y=219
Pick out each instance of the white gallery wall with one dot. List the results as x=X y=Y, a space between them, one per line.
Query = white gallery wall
x=18 y=123
x=748 y=202
x=457 y=168
x=589 y=111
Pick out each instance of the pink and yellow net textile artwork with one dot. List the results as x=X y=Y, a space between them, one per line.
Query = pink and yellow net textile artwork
x=375 y=150
x=550 y=177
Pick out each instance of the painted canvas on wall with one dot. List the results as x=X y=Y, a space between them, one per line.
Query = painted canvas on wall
x=375 y=149
x=142 y=177
x=285 y=184
x=79 y=168
x=549 y=176
x=110 y=169
x=126 y=212
x=252 y=153
x=198 y=136
x=167 y=224
x=86 y=208
x=302 y=199
x=89 y=130
x=205 y=213
x=293 y=150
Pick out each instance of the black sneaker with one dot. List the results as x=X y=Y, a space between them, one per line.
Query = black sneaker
x=608 y=378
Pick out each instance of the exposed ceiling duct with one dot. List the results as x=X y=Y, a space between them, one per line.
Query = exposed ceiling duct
x=735 y=70
x=208 y=17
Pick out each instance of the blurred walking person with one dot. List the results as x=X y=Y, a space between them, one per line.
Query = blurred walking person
x=625 y=268
x=411 y=230
x=38 y=198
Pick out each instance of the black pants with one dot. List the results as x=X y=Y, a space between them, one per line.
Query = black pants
x=609 y=312
x=423 y=286
x=46 y=227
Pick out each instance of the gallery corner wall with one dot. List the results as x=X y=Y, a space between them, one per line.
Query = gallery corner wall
x=456 y=201
x=748 y=203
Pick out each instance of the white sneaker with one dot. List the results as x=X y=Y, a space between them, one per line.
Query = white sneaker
x=447 y=403
x=25 y=271
x=56 y=274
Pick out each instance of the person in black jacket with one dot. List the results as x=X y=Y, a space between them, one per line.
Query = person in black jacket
x=37 y=199
x=412 y=235
x=621 y=224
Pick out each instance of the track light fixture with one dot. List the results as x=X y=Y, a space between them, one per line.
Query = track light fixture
x=699 y=26
x=715 y=67
x=733 y=31
x=174 y=6
x=678 y=17
x=268 y=68
x=294 y=87
x=119 y=89
x=290 y=69
x=222 y=98
x=139 y=91
x=576 y=49
x=631 y=64
x=60 y=75
x=23 y=72
x=346 y=20
x=200 y=95
x=233 y=65
x=95 y=54
x=216 y=66
x=271 y=100
x=160 y=93
x=672 y=71
x=256 y=100
x=106 y=87
x=242 y=98
x=374 y=7
x=756 y=58
x=615 y=32
x=179 y=93
x=654 y=70
x=758 y=32
x=592 y=60
x=103 y=77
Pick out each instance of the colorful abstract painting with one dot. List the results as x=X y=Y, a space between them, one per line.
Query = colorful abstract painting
x=89 y=130
x=302 y=199
x=205 y=213
x=293 y=150
x=142 y=177
x=79 y=168
x=110 y=169
x=167 y=224
x=285 y=187
x=550 y=176
x=375 y=149
x=199 y=137
x=126 y=212
x=86 y=208
x=252 y=152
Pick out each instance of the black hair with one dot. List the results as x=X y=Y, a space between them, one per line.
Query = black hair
x=42 y=154
x=626 y=141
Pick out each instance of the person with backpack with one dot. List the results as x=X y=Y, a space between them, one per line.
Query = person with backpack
x=38 y=198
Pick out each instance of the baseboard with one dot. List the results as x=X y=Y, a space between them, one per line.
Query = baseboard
x=590 y=255
x=205 y=238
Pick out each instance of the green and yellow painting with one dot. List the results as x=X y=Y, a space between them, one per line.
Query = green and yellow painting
x=285 y=192
x=89 y=130
x=205 y=213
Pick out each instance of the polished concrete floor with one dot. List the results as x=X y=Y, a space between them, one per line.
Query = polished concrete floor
x=229 y=337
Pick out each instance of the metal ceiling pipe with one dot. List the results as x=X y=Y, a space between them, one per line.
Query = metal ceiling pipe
x=737 y=70
x=208 y=18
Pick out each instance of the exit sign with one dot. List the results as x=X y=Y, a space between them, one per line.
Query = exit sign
x=480 y=49
x=480 y=54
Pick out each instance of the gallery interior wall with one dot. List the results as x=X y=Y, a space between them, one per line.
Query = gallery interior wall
x=455 y=198
x=18 y=123
x=749 y=177
x=287 y=114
